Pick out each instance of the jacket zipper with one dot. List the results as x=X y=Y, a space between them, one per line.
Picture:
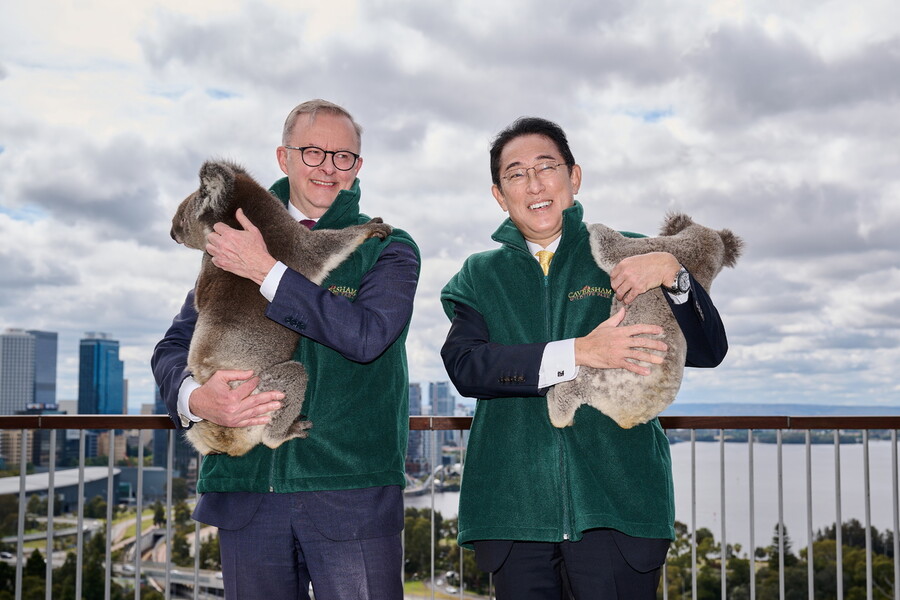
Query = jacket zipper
x=272 y=471
x=564 y=477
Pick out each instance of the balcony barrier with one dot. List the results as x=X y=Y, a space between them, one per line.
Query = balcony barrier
x=173 y=582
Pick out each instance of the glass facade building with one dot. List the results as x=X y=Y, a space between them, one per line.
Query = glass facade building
x=16 y=371
x=101 y=380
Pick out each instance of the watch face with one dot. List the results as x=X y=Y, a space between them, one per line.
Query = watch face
x=684 y=281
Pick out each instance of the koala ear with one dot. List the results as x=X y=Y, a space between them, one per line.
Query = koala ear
x=675 y=222
x=733 y=247
x=216 y=186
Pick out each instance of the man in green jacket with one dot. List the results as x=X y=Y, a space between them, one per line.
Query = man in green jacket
x=326 y=510
x=586 y=510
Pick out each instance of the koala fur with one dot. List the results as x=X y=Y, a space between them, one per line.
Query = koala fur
x=627 y=398
x=232 y=331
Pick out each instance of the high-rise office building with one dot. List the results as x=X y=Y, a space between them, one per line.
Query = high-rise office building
x=45 y=352
x=101 y=382
x=441 y=398
x=442 y=404
x=16 y=370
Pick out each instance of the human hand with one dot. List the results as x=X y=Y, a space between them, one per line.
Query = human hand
x=217 y=402
x=609 y=346
x=636 y=274
x=242 y=252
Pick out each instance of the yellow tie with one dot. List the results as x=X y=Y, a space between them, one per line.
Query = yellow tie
x=544 y=257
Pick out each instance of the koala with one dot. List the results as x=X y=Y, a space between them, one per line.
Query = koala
x=232 y=331
x=627 y=398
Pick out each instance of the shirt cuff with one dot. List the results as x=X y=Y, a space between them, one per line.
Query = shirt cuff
x=184 y=396
x=270 y=284
x=557 y=363
x=678 y=298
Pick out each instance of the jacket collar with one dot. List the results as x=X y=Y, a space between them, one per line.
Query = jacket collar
x=509 y=235
x=343 y=211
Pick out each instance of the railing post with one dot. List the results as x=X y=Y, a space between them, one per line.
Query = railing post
x=434 y=442
x=896 y=501
x=79 y=545
x=139 y=534
x=170 y=514
x=197 y=542
x=839 y=528
x=724 y=552
x=752 y=518
x=110 y=463
x=693 y=513
x=810 y=572
x=51 y=509
x=20 y=547
x=868 y=510
x=778 y=436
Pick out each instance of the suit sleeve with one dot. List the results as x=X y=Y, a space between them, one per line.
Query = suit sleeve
x=482 y=369
x=702 y=327
x=360 y=330
x=170 y=357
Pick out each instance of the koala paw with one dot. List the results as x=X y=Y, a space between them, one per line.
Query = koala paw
x=378 y=228
x=300 y=429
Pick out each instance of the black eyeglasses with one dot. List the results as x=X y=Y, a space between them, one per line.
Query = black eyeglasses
x=313 y=156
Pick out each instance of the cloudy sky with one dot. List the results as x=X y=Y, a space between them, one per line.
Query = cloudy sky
x=776 y=119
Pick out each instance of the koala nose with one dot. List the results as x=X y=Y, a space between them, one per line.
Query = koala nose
x=175 y=236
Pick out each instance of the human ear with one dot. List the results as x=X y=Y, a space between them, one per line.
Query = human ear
x=575 y=178
x=498 y=195
x=281 y=156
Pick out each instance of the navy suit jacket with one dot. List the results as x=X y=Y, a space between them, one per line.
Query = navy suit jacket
x=381 y=310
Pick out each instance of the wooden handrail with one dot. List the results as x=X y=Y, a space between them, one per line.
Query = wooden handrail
x=441 y=423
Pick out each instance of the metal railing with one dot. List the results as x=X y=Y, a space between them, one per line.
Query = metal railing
x=723 y=428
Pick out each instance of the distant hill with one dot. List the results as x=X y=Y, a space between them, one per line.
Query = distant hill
x=725 y=409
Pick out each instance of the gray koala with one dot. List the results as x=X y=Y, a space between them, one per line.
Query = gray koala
x=627 y=398
x=232 y=331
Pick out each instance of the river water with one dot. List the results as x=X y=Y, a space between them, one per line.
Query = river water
x=708 y=504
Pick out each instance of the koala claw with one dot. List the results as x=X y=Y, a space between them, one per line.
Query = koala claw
x=378 y=228
x=300 y=429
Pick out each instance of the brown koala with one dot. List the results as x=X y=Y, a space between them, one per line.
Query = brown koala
x=627 y=398
x=232 y=331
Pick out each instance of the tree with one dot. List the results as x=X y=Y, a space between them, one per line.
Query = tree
x=209 y=554
x=96 y=508
x=181 y=550
x=182 y=514
x=9 y=514
x=773 y=550
x=159 y=514
x=180 y=491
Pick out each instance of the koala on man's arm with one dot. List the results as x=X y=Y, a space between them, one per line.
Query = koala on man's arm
x=628 y=398
x=232 y=331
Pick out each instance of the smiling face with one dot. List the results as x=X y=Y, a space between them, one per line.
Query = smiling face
x=313 y=189
x=536 y=205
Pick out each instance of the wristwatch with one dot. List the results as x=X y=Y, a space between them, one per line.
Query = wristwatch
x=682 y=282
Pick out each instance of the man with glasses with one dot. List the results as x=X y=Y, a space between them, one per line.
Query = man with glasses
x=585 y=511
x=326 y=510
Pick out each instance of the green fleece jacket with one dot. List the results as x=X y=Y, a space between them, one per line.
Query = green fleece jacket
x=525 y=479
x=360 y=411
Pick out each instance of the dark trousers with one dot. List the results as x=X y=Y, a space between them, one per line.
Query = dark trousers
x=347 y=543
x=604 y=565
